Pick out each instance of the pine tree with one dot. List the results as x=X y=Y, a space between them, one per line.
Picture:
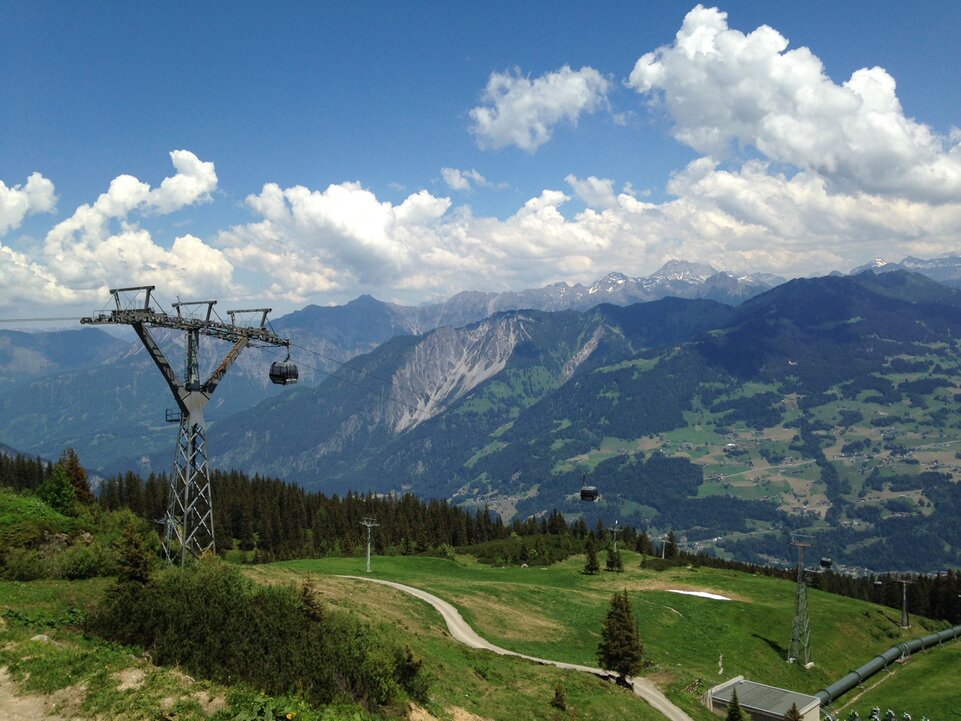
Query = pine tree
x=560 y=698
x=793 y=713
x=642 y=544
x=620 y=649
x=135 y=560
x=614 y=562
x=57 y=491
x=735 y=712
x=671 y=551
x=77 y=475
x=591 y=566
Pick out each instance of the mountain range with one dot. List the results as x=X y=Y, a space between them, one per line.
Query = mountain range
x=816 y=402
x=102 y=394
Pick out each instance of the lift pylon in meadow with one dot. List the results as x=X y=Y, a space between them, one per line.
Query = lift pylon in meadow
x=799 y=651
x=189 y=523
x=369 y=523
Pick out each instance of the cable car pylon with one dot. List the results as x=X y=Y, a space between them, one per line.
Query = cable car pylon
x=189 y=521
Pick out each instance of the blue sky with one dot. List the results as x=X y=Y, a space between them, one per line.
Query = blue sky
x=316 y=151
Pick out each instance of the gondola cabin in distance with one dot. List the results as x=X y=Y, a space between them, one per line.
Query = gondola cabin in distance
x=589 y=493
x=284 y=372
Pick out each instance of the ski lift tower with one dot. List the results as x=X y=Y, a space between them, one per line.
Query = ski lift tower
x=800 y=648
x=189 y=523
x=369 y=523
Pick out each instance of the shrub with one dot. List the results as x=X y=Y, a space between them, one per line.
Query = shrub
x=217 y=624
x=79 y=562
x=24 y=564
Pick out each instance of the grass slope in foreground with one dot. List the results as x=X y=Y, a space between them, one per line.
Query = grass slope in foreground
x=556 y=613
x=79 y=676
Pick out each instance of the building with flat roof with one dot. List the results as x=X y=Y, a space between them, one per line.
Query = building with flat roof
x=764 y=703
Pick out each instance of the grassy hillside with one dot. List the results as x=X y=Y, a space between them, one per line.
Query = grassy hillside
x=557 y=613
x=47 y=655
x=691 y=642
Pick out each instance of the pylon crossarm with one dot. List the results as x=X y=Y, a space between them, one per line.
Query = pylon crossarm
x=169 y=374
x=220 y=371
x=216 y=329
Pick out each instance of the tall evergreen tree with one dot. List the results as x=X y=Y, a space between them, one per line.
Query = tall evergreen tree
x=642 y=544
x=620 y=649
x=735 y=712
x=614 y=562
x=77 y=475
x=793 y=713
x=57 y=491
x=671 y=551
x=591 y=565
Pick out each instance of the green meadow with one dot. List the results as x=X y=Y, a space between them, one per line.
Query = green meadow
x=691 y=643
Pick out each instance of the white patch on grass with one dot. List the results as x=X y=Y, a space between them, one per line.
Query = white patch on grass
x=702 y=594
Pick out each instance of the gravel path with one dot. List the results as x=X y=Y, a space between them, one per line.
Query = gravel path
x=465 y=634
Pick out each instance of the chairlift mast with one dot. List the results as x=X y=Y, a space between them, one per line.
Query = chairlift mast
x=188 y=523
x=800 y=647
x=369 y=523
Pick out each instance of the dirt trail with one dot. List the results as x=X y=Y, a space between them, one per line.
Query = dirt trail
x=462 y=632
x=26 y=707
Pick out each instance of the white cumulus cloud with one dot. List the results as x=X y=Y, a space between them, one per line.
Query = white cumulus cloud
x=725 y=89
x=523 y=112
x=35 y=196
x=596 y=192
x=317 y=240
x=102 y=245
x=463 y=180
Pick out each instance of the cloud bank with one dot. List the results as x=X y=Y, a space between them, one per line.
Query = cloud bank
x=102 y=245
x=796 y=175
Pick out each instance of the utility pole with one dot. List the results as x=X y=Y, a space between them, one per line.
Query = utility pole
x=800 y=647
x=189 y=521
x=369 y=523
x=905 y=621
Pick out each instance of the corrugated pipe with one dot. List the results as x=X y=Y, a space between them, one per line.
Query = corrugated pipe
x=878 y=663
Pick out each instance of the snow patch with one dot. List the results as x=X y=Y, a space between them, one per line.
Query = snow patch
x=702 y=594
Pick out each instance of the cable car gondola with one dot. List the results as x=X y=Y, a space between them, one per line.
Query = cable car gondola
x=588 y=493
x=284 y=372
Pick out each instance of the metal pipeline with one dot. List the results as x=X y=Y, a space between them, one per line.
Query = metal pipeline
x=882 y=661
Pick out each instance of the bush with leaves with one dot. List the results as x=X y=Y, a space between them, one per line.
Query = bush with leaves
x=217 y=624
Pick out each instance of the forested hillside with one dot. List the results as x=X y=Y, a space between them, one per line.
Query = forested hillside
x=807 y=407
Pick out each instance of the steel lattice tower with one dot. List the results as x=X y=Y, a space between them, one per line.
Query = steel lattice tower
x=188 y=523
x=800 y=647
x=369 y=523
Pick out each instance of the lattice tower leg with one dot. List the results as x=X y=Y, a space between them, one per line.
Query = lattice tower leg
x=189 y=526
x=800 y=648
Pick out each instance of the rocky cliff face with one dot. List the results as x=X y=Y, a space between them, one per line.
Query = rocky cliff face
x=450 y=363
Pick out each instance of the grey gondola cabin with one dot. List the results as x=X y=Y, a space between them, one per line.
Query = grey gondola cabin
x=589 y=493
x=283 y=373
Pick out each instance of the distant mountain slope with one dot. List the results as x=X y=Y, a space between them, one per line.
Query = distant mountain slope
x=479 y=377
x=341 y=332
x=945 y=270
x=29 y=355
x=657 y=403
